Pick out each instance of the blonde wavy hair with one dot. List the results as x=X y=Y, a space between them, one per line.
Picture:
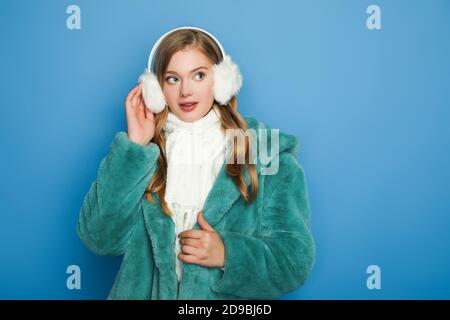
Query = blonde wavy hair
x=230 y=119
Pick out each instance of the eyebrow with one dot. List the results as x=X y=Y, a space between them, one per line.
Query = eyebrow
x=201 y=67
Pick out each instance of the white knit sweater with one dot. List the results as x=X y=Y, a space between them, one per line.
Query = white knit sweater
x=195 y=153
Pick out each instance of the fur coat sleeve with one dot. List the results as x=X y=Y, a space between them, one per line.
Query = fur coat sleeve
x=109 y=210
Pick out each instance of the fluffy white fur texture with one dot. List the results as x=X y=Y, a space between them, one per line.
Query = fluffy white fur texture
x=152 y=92
x=227 y=80
x=227 y=83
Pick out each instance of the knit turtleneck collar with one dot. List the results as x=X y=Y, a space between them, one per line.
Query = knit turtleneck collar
x=210 y=121
x=195 y=152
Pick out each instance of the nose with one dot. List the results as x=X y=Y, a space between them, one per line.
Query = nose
x=185 y=89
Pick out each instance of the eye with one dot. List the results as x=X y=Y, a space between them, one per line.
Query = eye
x=170 y=81
x=201 y=74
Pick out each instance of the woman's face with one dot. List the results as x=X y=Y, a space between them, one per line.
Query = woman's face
x=189 y=78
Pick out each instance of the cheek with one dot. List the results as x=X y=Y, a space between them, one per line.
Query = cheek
x=170 y=93
x=206 y=89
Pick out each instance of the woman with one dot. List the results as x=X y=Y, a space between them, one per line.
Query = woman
x=191 y=220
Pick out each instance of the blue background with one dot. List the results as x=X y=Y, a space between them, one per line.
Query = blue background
x=370 y=109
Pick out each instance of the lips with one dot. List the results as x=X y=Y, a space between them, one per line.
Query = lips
x=187 y=103
x=188 y=106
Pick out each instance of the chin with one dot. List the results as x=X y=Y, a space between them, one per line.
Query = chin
x=192 y=116
x=188 y=116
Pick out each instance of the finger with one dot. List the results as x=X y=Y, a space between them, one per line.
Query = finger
x=136 y=97
x=140 y=111
x=131 y=93
x=191 y=242
x=136 y=91
x=203 y=223
x=150 y=114
x=129 y=102
x=192 y=251
x=141 y=104
x=191 y=234
x=189 y=258
x=144 y=107
x=146 y=111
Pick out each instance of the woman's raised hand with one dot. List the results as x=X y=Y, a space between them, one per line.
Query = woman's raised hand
x=140 y=120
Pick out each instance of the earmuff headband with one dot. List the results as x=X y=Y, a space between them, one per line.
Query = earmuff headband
x=156 y=45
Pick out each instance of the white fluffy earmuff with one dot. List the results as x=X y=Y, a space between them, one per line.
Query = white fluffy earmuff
x=226 y=75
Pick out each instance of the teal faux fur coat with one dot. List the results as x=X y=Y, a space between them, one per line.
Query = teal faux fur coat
x=269 y=249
